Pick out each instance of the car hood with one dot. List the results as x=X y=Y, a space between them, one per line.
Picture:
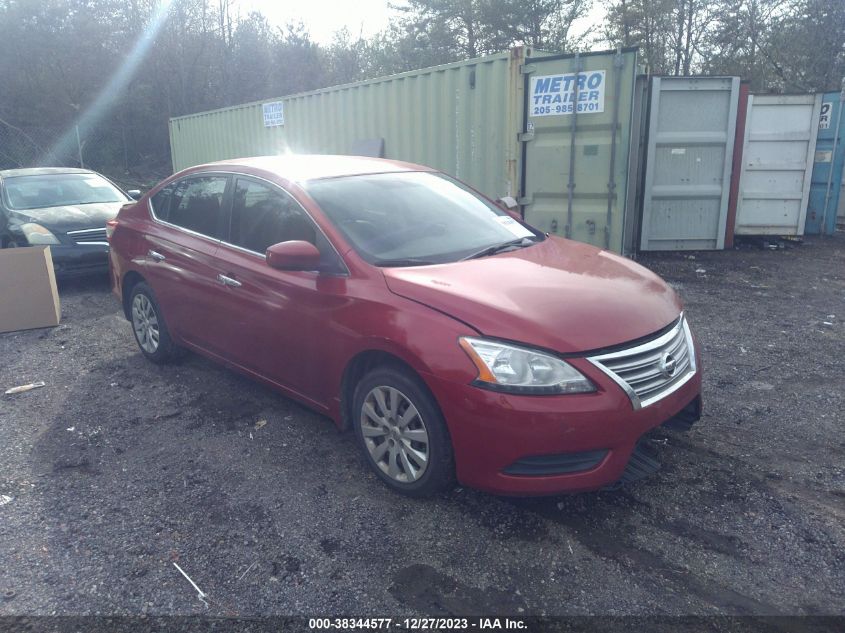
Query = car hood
x=558 y=294
x=71 y=217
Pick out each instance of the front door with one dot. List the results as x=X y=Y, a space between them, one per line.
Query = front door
x=279 y=323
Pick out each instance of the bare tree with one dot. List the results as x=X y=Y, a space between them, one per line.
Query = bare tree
x=59 y=57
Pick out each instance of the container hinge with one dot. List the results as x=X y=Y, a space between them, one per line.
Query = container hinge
x=523 y=200
x=524 y=137
x=527 y=69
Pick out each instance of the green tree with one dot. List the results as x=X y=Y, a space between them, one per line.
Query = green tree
x=807 y=46
x=742 y=41
x=299 y=62
x=544 y=24
x=643 y=23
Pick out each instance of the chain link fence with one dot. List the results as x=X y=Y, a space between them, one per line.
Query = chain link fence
x=108 y=150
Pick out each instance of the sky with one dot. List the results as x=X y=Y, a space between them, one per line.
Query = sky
x=367 y=17
x=324 y=17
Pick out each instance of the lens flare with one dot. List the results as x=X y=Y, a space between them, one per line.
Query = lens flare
x=118 y=81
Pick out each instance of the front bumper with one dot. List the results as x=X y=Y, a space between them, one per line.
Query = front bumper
x=80 y=259
x=493 y=431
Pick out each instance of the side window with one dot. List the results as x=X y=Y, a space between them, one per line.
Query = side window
x=161 y=202
x=196 y=204
x=263 y=216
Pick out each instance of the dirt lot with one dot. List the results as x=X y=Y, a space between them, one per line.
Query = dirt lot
x=118 y=468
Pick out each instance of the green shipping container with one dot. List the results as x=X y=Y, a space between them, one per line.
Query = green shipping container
x=553 y=131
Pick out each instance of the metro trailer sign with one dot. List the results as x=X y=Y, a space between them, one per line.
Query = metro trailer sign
x=562 y=94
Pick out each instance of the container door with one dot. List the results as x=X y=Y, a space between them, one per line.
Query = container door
x=636 y=167
x=777 y=161
x=736 y=162
x=692 y=125
x=840 y=216
x=578 y=111
x=829 y=157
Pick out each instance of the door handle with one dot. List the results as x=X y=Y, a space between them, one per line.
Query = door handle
x=228 y=281
x=155 y=255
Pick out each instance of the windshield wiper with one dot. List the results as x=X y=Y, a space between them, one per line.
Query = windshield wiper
x=407 y=261
x=498 y=248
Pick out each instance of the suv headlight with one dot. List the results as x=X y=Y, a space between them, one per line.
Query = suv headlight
x=514 y=369
x=37 y=234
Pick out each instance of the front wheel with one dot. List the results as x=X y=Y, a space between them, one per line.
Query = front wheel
x=149 y=327
x=402 y=432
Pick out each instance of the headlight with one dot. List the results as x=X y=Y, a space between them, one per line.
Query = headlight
x=37 y=234
x=515 y=369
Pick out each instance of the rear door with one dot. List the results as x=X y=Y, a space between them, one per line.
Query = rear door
x=278 y=324
x=179 y=255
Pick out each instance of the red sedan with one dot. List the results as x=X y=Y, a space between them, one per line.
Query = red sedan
x=455 y=340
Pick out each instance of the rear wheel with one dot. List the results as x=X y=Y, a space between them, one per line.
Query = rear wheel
x=149 y=326
x=402 y=432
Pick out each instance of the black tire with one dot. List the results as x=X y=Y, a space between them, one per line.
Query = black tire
x=165 y=351
x=439 y=472
x=10 y=242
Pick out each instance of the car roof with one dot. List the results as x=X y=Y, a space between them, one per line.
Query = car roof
x=302 y=167
x=42 y=171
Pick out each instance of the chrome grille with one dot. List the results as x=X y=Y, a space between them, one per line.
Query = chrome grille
x=89 y=236
x=654 y=369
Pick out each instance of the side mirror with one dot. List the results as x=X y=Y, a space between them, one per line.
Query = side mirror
x=293 y=255
x=135 y=194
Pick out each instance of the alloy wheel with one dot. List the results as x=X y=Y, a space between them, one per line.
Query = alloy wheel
x=145 y=323
x=395 y=434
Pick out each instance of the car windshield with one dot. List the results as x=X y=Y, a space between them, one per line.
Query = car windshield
x=53 y=190
x=416 y=218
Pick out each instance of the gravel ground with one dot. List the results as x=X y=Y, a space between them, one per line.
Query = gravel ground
x=119 y=468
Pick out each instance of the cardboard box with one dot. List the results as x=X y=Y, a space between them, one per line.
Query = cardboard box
x=28 y=295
